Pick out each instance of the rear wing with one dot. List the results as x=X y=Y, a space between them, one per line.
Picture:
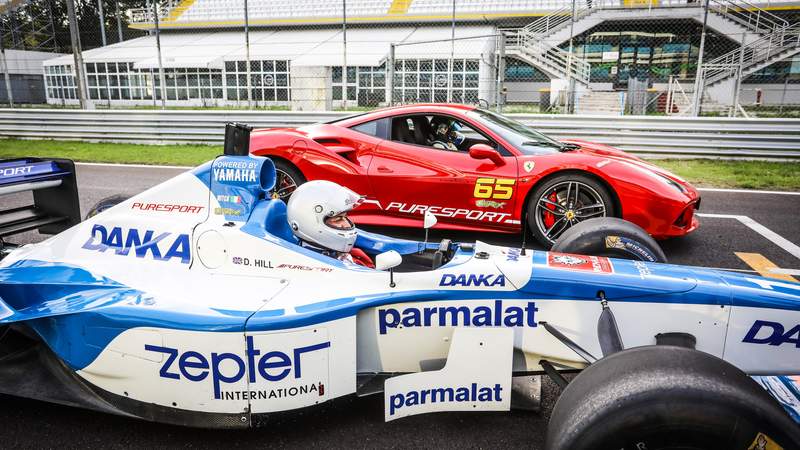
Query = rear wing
x=55 y=195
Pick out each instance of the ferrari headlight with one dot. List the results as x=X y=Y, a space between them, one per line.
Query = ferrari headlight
x=672 y=183
x=662 y=178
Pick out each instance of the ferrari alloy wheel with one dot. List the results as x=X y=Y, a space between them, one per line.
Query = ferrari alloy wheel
x=564 y=201
x=287 y=179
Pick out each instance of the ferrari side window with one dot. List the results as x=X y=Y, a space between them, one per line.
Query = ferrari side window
x=377 y=128
x=370 y=128
x=451 y=134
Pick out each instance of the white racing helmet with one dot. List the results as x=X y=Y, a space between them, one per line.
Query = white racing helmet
x=315 y=213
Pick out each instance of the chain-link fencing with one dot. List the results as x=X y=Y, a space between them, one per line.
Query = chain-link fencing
x=669 y=57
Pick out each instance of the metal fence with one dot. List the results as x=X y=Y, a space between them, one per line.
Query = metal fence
x=613 y=57
x=659 y=136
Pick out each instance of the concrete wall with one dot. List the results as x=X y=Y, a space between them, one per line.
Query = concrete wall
x=27 y=62
x=524 y=92
x=771 y=94
x=311 y=88
x=25 y=89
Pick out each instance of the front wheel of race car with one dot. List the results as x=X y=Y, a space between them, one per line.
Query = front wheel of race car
x=666 y=397
x=287 y=179
x=105 y=204
x=612 y=237
x=563 y=201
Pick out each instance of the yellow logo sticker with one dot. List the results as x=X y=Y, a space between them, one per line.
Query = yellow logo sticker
x=764 y=442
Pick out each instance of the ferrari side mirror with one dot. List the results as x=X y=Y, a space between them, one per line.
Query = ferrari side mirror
x=388 y=260
x=483 y=151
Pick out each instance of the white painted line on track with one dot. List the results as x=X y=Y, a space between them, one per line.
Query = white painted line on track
x=132 y=166
x=747 y=191
x=777 y=239
x=785 y=271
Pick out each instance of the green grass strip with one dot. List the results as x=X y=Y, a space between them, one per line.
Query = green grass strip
x=171 y=155
x=770 y=175
x=700 y=172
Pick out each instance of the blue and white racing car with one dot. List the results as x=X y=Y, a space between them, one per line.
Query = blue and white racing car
x=191 y=303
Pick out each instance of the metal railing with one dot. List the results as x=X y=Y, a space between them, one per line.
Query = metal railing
x=752 y=54
x=648 y=135
x=145 y=15
x=748 y=15
x=677 y=101
x=531 y=39
x=554 y=58
x=552 y=22
x=742 y=12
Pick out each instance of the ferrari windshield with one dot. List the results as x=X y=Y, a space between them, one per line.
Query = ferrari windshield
x=522 y=137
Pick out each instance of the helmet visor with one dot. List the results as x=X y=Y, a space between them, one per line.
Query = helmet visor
x=340 y=222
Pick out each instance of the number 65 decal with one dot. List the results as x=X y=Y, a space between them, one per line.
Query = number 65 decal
x=496 y=188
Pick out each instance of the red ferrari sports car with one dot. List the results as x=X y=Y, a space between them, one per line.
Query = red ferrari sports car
x=476 y=170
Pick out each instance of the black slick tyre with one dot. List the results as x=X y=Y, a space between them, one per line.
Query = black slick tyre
x=610 y=236
x=666 y=397
x=105 y=204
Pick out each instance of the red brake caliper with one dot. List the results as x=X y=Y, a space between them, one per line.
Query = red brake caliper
x=550 y=218
x=284 y=182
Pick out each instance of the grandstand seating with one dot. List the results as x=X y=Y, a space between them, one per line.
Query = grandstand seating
x=202 y=13
x=221 y=10
x=423 y=7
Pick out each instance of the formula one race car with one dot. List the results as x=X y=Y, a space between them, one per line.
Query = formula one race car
x=477 y=170
x=192 y=303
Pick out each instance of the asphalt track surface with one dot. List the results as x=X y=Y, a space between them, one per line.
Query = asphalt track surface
x=358 y=422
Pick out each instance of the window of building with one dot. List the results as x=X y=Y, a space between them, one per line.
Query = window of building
x=786 y=71
x=121 y=81
x=189 y=84
x=60 y=82
x=518 y=71
x=269 y=80
x=430 y=80
x=365 y=84
x=620 y=50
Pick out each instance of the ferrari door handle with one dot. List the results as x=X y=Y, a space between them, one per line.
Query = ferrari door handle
x=385 y=169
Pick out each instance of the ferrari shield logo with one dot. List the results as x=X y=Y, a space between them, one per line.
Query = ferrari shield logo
x=528 y=166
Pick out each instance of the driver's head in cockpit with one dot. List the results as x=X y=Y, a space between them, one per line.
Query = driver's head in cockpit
x=317 y=213
x=445 y=134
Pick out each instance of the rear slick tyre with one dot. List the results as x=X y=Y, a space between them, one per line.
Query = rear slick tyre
x=665 y=397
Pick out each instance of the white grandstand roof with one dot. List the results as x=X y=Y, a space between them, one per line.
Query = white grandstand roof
x=365 y=47
x=434 y=42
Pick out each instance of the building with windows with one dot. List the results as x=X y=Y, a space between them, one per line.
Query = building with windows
x=297 y=69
